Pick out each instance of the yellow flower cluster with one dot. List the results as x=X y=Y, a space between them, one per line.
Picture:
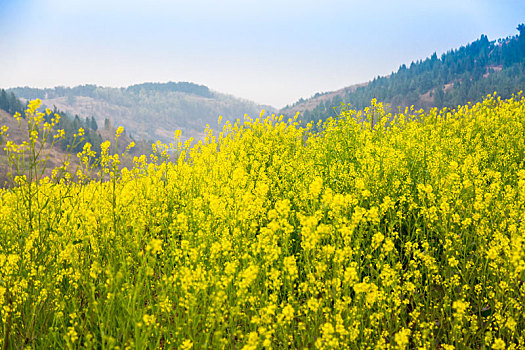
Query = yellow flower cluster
x=371 y=230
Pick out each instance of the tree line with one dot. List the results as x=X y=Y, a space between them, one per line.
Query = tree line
x=94 y=91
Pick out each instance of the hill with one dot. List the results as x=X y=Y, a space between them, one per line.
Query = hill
x=66 y=147
x=459 y=76
x=149 y=111
x=18 y=134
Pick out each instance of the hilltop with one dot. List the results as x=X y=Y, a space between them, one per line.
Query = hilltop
x=148 y=111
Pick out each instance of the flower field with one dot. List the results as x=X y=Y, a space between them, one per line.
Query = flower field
x=371 y=231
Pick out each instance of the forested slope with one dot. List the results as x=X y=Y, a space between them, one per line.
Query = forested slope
x=457 y=77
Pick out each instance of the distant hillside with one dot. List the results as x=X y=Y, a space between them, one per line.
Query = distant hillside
x=10 y=105
x=149 y=111
x=320 y=99
x=16 y=134
x=457 y=77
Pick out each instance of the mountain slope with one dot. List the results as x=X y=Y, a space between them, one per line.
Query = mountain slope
x=149 y=111
x=457 y=77
x=320 y=98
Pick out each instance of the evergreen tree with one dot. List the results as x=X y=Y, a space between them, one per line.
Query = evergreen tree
x=93 y=124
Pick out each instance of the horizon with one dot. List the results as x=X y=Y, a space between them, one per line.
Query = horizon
x=269 y=53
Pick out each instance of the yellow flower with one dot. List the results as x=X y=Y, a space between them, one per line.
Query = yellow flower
x=316 y=187
x=119 y=132
x=186 y=345
x=377 y=239
x=460 y=307
x=499 y=344
x=402 y=338
x=148 y=319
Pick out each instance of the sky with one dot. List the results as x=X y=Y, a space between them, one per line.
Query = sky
x=272 y=52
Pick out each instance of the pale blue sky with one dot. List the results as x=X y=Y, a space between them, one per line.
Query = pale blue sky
x=271 y=52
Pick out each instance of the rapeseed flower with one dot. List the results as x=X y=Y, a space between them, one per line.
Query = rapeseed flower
x=405 y=233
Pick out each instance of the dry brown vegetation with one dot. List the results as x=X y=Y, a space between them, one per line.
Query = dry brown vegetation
x=313 y=102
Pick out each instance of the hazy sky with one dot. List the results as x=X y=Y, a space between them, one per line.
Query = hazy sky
x=271 y=52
